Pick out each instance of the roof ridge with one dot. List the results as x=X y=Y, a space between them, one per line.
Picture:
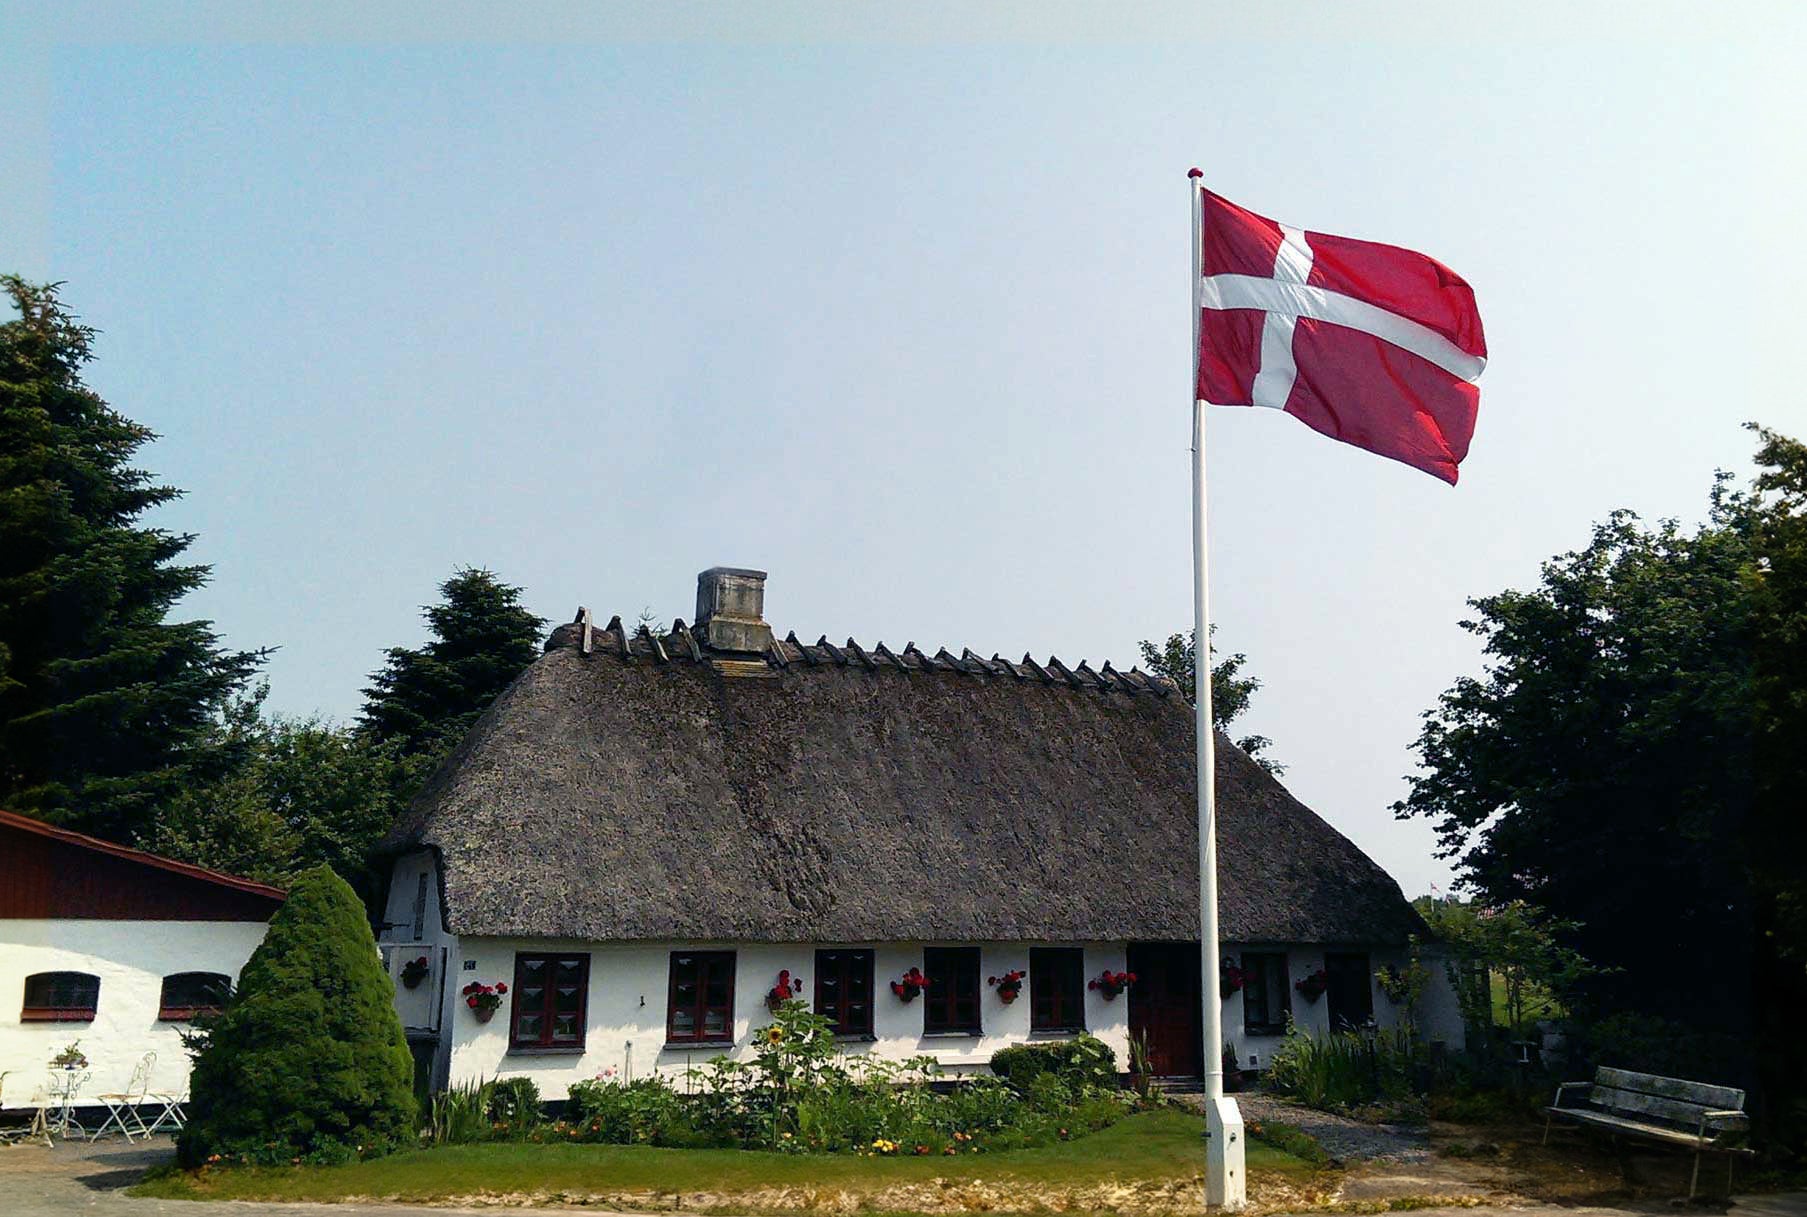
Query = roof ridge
x=679 y=643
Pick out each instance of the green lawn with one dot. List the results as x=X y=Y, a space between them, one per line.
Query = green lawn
x=1149 y=1149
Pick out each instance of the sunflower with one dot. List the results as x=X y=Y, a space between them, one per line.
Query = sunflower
x=774 y=1034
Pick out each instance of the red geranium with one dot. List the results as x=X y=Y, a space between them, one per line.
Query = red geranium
x=1111 y=983
x=910 y=984
x=1008 y=985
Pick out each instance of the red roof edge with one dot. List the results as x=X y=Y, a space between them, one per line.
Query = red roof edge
x=12 y=819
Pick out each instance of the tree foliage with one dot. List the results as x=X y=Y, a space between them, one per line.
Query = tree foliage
x=105 y=704
x=1231 y=691
x=305 y=792
x=1630 y=761
x=307 y=1060
x=424 y=700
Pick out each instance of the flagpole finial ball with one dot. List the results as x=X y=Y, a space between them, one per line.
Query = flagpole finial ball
x=1196 y=173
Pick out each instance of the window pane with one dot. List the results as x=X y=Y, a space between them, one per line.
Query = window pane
x=528 y=1028
x=683 y=1020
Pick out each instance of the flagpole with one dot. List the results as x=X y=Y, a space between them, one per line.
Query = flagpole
x=1225 y=1179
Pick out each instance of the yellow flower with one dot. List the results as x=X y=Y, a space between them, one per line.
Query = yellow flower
x=774 y=1034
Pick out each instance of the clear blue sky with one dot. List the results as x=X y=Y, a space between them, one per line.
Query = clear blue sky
x=891 y=301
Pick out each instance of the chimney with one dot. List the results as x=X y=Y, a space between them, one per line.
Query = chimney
x=730 y=610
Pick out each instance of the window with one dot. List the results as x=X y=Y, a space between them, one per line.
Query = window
x=1266 y=998
x=844 y=990
x=701 y=1008
x=186 y=994
x=551 y=996
x=1056 y=989
x=420 y=907
x=60 y=997
x=951 y=1006
x=1350 y=995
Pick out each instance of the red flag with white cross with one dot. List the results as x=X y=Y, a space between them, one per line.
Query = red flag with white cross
x=1369 y=344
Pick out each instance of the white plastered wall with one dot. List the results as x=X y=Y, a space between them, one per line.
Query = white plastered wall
x=131 y=958
x=1439 y=1020
x=627 y=1006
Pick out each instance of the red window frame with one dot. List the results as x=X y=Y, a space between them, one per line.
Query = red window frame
x=1056 y=989
x=205 y=984
x=844 y=989
x=535 y=1001
x=708 y=979
x=59 y=997
x=951 y=1005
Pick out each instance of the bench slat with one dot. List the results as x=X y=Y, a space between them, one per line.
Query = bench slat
x=1648 y=1106
x=1719 y=1098
x=1652 y=1132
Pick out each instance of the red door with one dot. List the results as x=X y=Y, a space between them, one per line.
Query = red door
x=1164 y=1005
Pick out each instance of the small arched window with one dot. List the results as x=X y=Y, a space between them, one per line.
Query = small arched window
x=186 y=994
x=60 y=997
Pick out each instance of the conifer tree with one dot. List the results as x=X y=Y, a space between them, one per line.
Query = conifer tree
x=424 y=700
x=307 y=1059
x=105 y=703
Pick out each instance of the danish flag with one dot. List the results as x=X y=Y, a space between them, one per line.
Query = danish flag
x=1369 y=344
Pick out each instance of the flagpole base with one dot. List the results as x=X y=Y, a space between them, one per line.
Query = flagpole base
x=1226 y=1178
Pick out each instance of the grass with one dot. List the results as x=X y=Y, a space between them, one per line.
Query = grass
x=1147 y=1150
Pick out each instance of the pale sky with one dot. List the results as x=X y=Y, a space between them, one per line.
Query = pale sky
x=891 y=301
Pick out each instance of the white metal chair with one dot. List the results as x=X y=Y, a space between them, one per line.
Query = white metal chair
x=172 y=1116
x=37 y=1128
x=122 y=1106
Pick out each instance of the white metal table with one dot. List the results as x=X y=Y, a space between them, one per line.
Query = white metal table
x=65 y=1085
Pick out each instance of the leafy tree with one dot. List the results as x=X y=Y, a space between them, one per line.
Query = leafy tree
x=1231 y=691
x=306 y=793
x=307 y=1060
x=105 y=704
x=424 y=700
x=1515 y=943
x=1630 y=763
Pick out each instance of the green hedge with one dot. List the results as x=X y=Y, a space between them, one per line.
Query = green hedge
x=1084 y=1060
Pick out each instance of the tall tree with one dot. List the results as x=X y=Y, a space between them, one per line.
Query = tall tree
x=1231 y=691
x=1631 y=761
x=424 y=700
x=105 y=703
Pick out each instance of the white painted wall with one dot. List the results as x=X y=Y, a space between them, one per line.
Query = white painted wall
x=627 y=999
x=1439 y=1019
x=131 y=958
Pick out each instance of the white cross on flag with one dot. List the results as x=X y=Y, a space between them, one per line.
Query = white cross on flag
x=1370 y=344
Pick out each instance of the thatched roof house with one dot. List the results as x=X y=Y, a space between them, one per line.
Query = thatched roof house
x=718 y=784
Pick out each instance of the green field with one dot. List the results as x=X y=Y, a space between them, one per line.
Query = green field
x=1152 y=1149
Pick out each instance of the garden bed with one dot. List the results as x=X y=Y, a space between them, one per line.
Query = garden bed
x=1146 y=1163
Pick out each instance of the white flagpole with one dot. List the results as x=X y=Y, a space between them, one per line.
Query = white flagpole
x=1225 y=1178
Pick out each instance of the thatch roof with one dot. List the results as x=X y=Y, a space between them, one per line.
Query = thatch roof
x=650 y=788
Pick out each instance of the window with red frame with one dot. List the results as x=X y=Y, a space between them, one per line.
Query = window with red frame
x=700 y=1009
x=186 y=994
x=1056 y=989
x=551 y=997
x=60 y=997
x=951 y=1006
x=844 y=990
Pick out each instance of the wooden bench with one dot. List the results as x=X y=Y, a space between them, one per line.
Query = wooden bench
x=1670 y=1111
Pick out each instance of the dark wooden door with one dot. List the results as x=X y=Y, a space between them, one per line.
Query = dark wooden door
x=1164 y=1005
x=1350 y=991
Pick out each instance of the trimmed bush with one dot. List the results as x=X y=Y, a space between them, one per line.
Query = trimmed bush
x=307 y=1060
x=1082 y=1061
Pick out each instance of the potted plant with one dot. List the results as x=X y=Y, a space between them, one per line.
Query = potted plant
x=71 y=1057
x=1109 y=983
x=910 y=985
x=1009 y=985
x=484 y=999
x=1312 y=987
x=414 y=971
x=786 y=988
x=1230 y=980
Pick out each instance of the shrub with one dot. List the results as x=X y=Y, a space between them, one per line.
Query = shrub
x=1346 y=1069
x=514 y=1106
x=307 y=1059
x=1084 y=1060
